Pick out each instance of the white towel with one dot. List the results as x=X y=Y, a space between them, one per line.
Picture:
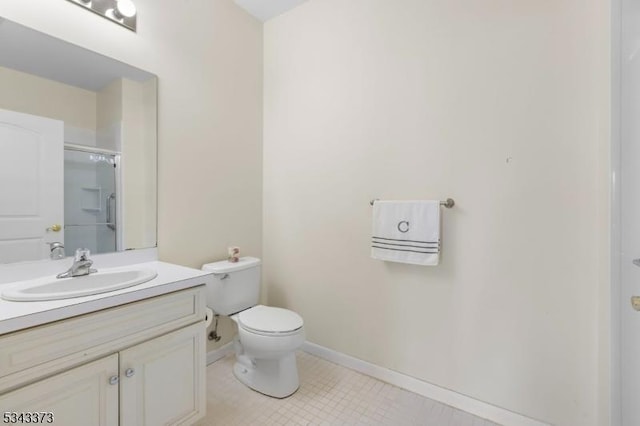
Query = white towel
x=406 y=232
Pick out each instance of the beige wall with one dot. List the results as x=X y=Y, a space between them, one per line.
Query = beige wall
x=139 y=163
x=29 y=94
x=109 y=108
x=379 y=99
x=149 y=236
x=496 y=104
x=127 y=122
x=208 y=58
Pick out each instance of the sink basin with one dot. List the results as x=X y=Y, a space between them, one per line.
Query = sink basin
x=52 y=288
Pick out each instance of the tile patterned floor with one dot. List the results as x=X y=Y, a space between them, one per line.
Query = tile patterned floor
x=329 y=395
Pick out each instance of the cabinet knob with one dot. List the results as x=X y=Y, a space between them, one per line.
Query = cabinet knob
x=113 y=380
x=129 y=372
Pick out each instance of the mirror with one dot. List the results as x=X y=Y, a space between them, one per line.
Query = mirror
x=78 y=149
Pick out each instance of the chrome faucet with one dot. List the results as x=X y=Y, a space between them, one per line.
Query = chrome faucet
x=81 y=265
x=56 y=250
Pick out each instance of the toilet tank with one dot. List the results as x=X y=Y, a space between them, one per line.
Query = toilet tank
x=236 y=286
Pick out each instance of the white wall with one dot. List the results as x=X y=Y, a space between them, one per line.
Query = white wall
x=496 y=104
x=208 y=58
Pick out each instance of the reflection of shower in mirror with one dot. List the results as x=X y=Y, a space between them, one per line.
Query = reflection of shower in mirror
x=90 y=199
x=96 y=158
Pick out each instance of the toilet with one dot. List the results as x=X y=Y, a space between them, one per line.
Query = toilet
x=267 y=337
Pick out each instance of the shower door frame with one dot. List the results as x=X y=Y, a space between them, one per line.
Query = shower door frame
x=118 y=185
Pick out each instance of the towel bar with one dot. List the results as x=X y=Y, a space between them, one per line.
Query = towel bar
x=448 y=203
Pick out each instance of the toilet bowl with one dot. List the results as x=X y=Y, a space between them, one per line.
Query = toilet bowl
x=265 y=349
x=267 y=336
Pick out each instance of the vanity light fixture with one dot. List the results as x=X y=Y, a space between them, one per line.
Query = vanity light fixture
x=122 y=12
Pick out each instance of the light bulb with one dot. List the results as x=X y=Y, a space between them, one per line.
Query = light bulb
x=124 y=9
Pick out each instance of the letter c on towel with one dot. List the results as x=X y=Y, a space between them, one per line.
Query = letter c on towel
x=403 y=226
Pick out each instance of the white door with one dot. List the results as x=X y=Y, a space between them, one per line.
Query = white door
x=85 y=395
x=162 y=381
x=630 y=213
x=31 y=189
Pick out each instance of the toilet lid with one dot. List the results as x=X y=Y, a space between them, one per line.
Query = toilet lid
x=266 y=319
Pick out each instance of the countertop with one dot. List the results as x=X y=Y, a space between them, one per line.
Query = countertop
x=16 y=316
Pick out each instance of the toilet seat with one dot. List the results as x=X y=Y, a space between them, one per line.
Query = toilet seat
x=270 y=321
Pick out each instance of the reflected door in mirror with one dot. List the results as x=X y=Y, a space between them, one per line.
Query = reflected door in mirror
x=31 y=189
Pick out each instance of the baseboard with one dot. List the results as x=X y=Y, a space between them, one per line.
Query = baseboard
x=437 y=393
x=219 y=353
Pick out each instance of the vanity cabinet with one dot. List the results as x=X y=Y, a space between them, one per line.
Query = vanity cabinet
x=78 y=397
x=138 y=364
x=162 y=380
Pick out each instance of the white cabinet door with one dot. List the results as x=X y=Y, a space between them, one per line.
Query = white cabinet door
x=81 y=396
x=31 y=185
x=162 y=381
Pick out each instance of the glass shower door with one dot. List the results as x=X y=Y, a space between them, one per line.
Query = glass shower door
x=90 y=201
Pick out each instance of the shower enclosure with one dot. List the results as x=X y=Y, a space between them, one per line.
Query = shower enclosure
x=90 y=199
